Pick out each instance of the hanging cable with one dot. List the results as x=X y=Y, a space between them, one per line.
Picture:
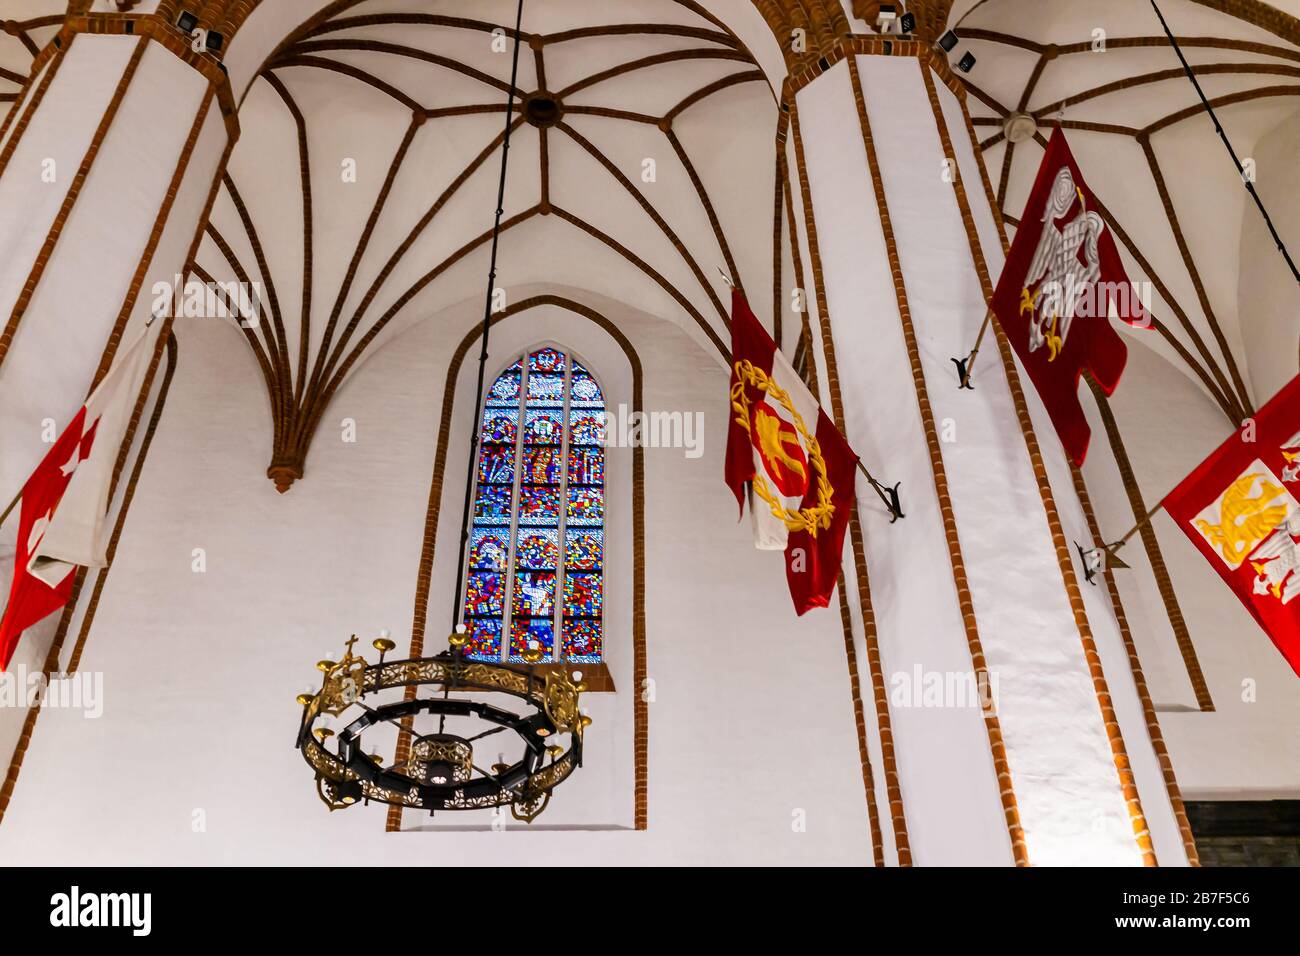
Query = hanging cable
x=1250 y=186
x=487 y=321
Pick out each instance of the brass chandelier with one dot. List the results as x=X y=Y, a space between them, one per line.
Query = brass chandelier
x=440 y=772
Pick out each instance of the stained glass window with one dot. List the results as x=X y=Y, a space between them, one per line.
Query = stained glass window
x=537 y=542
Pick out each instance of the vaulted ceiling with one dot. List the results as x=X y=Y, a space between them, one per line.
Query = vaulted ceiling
x=641 y=166
x=1137 y=127
x=362 y=192
x=25 y=27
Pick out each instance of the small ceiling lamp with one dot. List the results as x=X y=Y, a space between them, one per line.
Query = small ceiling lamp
x=1019 y=127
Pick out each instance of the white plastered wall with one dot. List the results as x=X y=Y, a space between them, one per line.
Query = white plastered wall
x=1267 y=293
x=58 y=344
x=751 y=729
x=1026 y=625
x=918 y=619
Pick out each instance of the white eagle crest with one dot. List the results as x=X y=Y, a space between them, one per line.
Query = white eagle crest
x=1276 y=561
x=1065 y=277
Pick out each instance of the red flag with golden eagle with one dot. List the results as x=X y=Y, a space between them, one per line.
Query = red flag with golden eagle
x=799 y=469
x=1062 y=276
x=1240 y=509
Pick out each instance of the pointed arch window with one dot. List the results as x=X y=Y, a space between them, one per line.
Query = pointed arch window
x=537 y=540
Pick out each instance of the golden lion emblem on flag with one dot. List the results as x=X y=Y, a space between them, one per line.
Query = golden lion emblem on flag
x=791 y=455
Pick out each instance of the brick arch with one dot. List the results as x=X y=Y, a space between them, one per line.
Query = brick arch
x=640 y=666
x=823 y=20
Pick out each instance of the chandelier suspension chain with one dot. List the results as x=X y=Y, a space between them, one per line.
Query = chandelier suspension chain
x=487 y=322
x=1223 y=135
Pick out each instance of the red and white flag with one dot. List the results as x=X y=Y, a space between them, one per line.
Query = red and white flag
x=796 y=466
x=1240 y=509
x=62 y=521
x=1062 y=278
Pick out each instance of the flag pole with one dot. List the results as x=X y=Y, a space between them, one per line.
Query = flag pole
x=1106 y=557
x=11 y=506
x=964 y=366
x=889 y=496
x=1150 y=516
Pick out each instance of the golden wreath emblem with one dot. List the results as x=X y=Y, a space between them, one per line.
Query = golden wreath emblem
x=805 y=519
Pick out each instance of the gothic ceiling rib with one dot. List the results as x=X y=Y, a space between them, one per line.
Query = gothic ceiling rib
x=410 y=96
x=1139 y=131
x=361 y=195
x=27 y=25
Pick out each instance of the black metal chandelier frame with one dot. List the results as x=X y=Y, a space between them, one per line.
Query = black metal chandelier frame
x=445 y=780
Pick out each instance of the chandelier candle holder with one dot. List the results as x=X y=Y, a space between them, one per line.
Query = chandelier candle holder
x=440 y=772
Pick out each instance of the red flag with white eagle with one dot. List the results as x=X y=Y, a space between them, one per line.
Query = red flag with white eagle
x=62 y=521
x=799 y=469
x=1062 y=276
x=1240 y=509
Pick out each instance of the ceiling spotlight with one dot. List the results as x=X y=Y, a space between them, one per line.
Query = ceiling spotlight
x=967 y=62
x=948 y=41
x=885 y=17
x=187 y=22
x=214 y=41
x=907 y=25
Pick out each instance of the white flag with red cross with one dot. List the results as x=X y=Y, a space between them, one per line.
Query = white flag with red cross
x=62 y=523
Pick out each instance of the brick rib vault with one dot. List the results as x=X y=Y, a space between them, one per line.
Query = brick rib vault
x=885 y=223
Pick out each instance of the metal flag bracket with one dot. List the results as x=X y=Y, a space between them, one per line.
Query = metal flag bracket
x=1107 y=556
x=889 y=496
x=1098 y=560
x=963 y=370
x=966 y=365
